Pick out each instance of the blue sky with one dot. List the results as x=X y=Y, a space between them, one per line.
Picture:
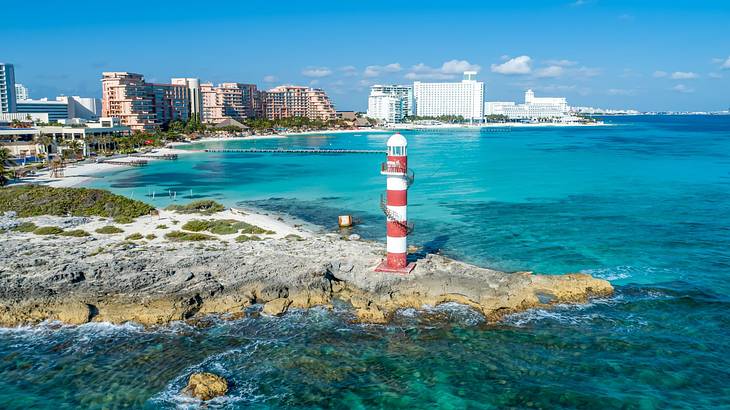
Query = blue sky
x=648 y=55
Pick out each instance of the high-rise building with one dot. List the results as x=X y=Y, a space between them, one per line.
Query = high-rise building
x=21 y=92
x=140 y=105
x=86 y=108
x=229 y=101
x=56 y=110
x=465 y=98
x=390 y=103
x=196 y=99
x=7 y=88
x=295 y=101
x=534 y=108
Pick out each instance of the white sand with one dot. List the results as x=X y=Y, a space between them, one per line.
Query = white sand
x=173 y=221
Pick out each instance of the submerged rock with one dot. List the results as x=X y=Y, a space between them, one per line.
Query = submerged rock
x=206 y=386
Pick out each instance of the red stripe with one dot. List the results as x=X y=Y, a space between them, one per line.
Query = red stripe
x=402 y=161
x=394 y=230
x=397 y=260
x=397 y=198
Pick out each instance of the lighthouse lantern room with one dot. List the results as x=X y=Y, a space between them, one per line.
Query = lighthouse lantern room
x=394 y=206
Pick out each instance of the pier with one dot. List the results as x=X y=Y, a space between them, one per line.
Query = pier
x=299 y=151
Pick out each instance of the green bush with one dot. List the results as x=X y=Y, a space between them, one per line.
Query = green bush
x=202 y=206
x=75 y=232
x=48 y=230
x=196 y=225
x=134 y=237
x=151 y=237
x=109 y=229
x=246 y=238
x=25 y=227
x=188 y=236
x=293 y=237
x=35 y=200
x=161 y=226
x=123 y=220
x=253 y=229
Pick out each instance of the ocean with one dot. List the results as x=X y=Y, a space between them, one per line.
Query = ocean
x=643 y=203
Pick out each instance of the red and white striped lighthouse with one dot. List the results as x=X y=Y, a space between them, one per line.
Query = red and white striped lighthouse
x=395 y=205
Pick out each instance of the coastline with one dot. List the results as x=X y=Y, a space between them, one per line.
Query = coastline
x=112 y=278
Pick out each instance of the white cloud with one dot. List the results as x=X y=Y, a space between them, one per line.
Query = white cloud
x=587 y=71
x=549 y=72
x=578 y=3
x=349 y=70
x=683 y=75
x=377 y=70
x=660 y=74
x=715 y=75
x=317 y=72
x=620 y=91
x=726 y=64
x=269 y=79
x=681 y=88
x=562 y=63
x=517 y=65
x=448 y=70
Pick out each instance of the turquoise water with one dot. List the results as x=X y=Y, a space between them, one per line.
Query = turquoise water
x=644 y=203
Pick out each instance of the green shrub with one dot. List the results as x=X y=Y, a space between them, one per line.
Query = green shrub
x=123 y=220
x=196 y=225
x=75 y=232
x=48 y=230
x=161 y=226
x=246 y=238
x=109 y=229
x=35 y=200
x=151 y=237
x=25 y=227
x=293 y=237
x=203 y=207
x=187 y=236
x=252 y=229
x=134 y=237
x=97 y=251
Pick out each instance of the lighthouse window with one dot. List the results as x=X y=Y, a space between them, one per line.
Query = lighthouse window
x=397 y=151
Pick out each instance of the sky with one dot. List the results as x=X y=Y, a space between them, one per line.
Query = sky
x=645 y=55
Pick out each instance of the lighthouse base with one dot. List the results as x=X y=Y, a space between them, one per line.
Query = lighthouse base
x=383 y=267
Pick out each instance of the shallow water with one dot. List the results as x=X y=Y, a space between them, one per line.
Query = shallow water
x=644 y=203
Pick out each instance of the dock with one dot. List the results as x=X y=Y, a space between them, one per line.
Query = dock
x=297 y=151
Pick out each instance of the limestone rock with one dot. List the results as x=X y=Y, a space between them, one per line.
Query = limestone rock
x=74 y=313
x=277 y=307
x=206 y=386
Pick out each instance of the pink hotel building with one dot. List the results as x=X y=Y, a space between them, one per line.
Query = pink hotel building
x=146 y=106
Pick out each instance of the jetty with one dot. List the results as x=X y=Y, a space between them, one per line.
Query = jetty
x=296 y=151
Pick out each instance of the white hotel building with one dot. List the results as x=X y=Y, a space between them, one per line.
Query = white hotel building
x=390 y=103
x=465 y=98
x=534 y=108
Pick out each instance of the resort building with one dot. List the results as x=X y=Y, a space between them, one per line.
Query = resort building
x=229 y=101
x=140 y=105
x=196 y=99
x=86 y=108
x=57 y=110
x=7 y=88
x=21 y=92
x=534 y=108
x=465 y=98
x=390 y=103
x=296 y=101
x=28 y=118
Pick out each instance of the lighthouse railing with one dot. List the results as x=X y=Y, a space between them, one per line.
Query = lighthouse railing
x=393 y=217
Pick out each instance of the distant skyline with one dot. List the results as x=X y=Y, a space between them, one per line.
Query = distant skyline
x=648 y=55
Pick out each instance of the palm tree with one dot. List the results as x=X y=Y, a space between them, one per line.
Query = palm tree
x=5 y=173
x=75 y=147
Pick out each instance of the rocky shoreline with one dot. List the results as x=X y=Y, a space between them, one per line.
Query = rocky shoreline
x=105 y=278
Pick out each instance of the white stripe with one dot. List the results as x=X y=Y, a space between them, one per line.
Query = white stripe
x=398 y=212
x=396 y=184
x=397 y=245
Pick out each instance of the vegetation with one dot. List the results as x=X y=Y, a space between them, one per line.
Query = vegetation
x=35 y=200
x=25 y=227
x=441 y=118
x=246 y=238
x=134 y=237
x=123 y=219
x=5 y=174
x=163 y=226
x=202 y=206
x=496 y=118
x=224 y=227
x=150 y=237
x=293 y=237
x=78 y=233
x=48 y=230
x=188 y=236
x=109 y=230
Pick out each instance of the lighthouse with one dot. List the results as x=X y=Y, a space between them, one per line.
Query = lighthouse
x=395 y=206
